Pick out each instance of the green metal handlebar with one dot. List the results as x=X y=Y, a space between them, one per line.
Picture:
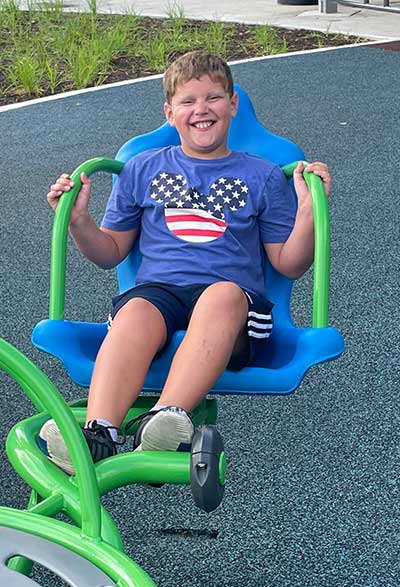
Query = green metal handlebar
x=321 y=245
x=63 y=212
x=60 y=231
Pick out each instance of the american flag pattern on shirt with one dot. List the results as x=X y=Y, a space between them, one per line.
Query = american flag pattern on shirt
x=193 y=216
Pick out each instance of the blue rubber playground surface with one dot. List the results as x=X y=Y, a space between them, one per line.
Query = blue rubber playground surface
x=312 y=495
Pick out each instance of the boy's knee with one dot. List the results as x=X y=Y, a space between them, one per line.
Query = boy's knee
x=228 y=295
x=140 y=316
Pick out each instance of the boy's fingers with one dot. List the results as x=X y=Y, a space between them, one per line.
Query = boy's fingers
x=85 y=179
x=317 y=167
x=65 y=180
x=63 y=183
x=322 y=170
x=298 y=172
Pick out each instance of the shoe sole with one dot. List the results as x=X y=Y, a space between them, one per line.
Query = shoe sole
x=166 y=431
x=53 y=440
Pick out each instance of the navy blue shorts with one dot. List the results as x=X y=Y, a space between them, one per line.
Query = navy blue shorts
x=176 y=304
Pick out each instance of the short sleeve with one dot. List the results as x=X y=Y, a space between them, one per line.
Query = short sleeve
x=122 y=211
x=277 y=218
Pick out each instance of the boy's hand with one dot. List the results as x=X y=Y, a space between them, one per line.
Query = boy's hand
x=64 y=184
x=302 y=191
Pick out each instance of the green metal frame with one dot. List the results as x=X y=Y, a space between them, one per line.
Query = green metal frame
x=114 y=563
x=61 y=222
x=94 y=534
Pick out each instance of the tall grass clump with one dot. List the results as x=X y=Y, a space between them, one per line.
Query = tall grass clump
x=86 y=65
x=10 y=25
x=176 y=17
x=175 y=31
x=25 y=75
x=155 y=52
x=269 y=41
x=215 y=39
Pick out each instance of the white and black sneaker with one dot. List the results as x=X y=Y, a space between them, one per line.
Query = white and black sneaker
x=167 y=429
x=98 y=438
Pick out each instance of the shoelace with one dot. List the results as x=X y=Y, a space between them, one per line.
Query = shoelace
x=98 y=430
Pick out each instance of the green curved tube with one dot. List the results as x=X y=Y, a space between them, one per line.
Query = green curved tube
x=60 y=231
x=321 y=246
x=49 y=481
x=24 y=372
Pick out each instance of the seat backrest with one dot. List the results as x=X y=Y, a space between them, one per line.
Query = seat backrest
x=246 y=134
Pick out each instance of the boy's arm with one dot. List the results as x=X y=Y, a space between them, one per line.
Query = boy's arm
x=104 y=247
x=293 y=257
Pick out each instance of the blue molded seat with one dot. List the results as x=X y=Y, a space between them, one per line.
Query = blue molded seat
x=291 y=350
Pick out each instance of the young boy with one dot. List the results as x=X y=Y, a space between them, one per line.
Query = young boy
x=204 y=213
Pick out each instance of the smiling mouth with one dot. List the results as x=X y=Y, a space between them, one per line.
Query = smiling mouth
x=203 y=125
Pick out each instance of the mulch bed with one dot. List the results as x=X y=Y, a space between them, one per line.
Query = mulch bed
x=239 y=46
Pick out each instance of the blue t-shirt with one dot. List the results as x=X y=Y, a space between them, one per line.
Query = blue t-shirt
x=202 y=220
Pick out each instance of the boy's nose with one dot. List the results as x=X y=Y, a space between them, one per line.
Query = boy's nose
x=201 y=107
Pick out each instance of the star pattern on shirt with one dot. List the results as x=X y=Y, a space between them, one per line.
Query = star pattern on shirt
x=226 y=193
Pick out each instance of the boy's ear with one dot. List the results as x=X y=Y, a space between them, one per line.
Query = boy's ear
x=234 y=103
x=168 y=113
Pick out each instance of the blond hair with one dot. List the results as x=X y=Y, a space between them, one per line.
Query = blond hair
x=193 y=65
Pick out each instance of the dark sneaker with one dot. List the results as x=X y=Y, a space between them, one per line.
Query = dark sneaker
x=98 y=438
x=168 y=429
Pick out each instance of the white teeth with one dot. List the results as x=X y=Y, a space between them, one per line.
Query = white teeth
x=203 y=124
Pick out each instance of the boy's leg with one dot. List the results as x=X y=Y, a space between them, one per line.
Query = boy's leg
x=137 y=333
x=216 y=327
x=217 y=324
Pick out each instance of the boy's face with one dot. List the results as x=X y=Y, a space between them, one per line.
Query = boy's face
x=201 y=111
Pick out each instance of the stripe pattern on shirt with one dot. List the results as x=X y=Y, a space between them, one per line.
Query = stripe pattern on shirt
x=194 y=226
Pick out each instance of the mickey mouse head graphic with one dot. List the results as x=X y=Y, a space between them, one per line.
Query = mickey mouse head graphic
x=193 y=216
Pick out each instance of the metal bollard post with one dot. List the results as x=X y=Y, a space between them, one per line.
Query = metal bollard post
x=327 y=6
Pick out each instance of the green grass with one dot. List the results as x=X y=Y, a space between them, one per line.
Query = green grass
x=44 y=50
x=269 y=40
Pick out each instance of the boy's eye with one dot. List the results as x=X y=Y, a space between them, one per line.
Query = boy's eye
x=214 y=98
